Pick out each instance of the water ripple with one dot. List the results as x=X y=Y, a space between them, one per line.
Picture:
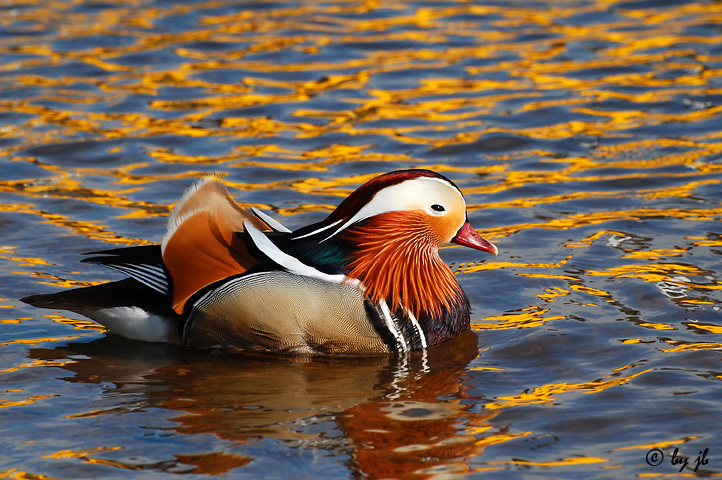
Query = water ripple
x=586 y=136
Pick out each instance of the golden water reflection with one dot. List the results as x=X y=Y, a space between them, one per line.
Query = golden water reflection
x=586 y=138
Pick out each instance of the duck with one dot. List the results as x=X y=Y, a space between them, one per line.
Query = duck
x=367 y=279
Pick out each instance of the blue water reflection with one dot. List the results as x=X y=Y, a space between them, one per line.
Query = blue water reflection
x=585 y=136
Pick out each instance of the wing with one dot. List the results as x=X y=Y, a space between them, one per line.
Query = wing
x=202 y=244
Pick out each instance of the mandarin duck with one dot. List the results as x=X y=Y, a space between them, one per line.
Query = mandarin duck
x=368 y=279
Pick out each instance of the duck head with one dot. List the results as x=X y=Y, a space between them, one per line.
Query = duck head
x=394 y=226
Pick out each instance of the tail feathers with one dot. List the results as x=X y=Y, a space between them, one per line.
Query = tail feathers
x=123 y=293
x=126 y=308
x=143 y=263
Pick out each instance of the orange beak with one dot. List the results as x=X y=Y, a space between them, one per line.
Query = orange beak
x=468 y=237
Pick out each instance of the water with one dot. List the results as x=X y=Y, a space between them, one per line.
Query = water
x=586 y=136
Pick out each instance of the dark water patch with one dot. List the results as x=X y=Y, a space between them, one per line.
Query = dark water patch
x=21 y=170
x=498 y=143
x=101 y=153
x=648 y=4
x=12 y=119
x=152 y=59
x=91 y=42
x=79 y=69
x=210 y=46
x=604 y=72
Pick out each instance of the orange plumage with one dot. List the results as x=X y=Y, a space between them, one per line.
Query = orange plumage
x=201 y=246
x=396 y=257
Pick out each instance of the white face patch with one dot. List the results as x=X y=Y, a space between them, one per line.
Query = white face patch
x=433 y=195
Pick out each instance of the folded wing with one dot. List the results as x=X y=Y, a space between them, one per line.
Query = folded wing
x=201 y=245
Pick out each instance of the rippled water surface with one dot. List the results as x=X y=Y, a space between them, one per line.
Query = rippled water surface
x=586 y=136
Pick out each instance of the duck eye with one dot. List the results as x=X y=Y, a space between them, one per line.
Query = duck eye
x=438 y=208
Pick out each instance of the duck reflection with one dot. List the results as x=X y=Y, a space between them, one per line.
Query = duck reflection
x=392 y=414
